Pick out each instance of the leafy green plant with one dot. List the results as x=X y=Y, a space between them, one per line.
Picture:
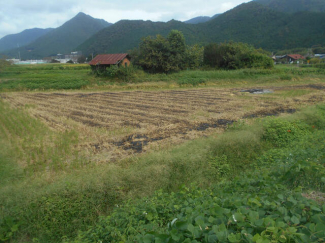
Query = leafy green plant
x=220 y=166
x=264 y=211
x=8 y=227
x=282 y=133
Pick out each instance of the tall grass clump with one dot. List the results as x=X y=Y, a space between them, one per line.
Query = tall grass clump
x=35 y=146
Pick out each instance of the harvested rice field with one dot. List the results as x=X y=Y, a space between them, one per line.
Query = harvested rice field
x=114 y=125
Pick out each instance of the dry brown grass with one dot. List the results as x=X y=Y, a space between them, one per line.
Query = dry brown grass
x=114 y=125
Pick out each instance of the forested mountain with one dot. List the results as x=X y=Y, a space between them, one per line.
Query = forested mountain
x=293 y=6
x=261 y=26
x=23 y=38
x=251 y=23
x=63 y=39
x=197 y=20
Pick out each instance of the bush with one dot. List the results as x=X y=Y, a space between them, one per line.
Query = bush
x=281 y=133
x=122 y=73
x=235 y=56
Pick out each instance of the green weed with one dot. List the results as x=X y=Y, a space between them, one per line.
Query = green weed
x=282 y=133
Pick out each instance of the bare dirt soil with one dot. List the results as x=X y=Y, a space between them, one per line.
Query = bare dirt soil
x=118 y=124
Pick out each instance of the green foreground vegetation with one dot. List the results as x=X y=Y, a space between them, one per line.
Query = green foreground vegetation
x=72 y=77
x=244 y=185
x=281 y=158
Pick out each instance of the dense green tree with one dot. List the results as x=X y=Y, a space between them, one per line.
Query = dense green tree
x=161 y=55
x=301 y=51
x=235 y=55
x=319 y=50
x=193 y=56
x=153 y=54
x=177 y=48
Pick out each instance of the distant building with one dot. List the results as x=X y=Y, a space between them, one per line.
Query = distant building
x=59 y=56
x=106 y=60
x=294 y=57
x=13 y=61
x=321 y=56
x=74 y=56
x=64 y=58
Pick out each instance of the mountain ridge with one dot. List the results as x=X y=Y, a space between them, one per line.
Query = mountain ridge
x=200 y=19
x=21 y=39
x=63 y=39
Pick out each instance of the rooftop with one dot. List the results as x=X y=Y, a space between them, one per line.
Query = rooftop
x=108 y=59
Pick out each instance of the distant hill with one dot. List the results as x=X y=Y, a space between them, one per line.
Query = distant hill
x=293 y=6
x=251 y=23
x=63 y=39
x=21 y=39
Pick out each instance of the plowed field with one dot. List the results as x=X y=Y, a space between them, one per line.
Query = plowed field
x=117 y=124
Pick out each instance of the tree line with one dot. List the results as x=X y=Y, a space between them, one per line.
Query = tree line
x=164 y=55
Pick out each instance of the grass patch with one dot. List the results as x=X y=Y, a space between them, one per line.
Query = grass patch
x=67 y=76
x=293 y=93
x=34 y=145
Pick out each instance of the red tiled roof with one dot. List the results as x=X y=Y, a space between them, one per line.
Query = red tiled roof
x=296 y=56
x=108 y=59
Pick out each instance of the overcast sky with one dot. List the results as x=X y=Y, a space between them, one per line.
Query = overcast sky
x=18 y=15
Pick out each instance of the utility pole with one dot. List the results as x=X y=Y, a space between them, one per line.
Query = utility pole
x=18 y=52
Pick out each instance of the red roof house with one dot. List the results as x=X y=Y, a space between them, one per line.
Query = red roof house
x=293 y=57
x=106 y=60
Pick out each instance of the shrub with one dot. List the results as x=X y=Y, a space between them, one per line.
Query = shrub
x=234 y=56
x=122 y=73
x=282 y=133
